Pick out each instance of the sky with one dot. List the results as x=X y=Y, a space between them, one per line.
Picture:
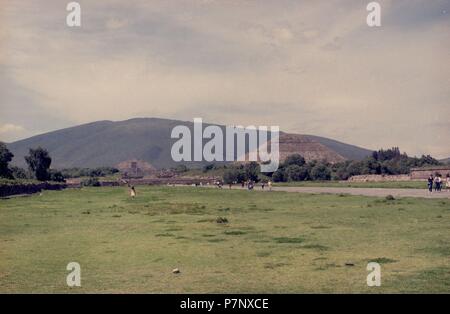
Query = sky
x=310 y=67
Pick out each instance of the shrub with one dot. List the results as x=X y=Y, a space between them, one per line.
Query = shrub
x=88 y=172
x=296 y=173
x=230 y=176
x=90 y=182
x=252 y=171
x=279 y=175
x=390 y=197
x=19 y=173
x=222 y=220
x=56 y=176
x=321 y=172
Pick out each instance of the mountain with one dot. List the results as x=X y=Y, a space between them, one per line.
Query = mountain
x=445 y=160
x=107 y=143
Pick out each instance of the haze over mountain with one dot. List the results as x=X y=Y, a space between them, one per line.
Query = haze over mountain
x=107 y=143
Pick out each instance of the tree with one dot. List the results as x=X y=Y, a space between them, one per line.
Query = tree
x=296 y=173
x=235 y=173
x=425 y=160
x=18 y=173
x=391 y=153
x=241 y=176
x=279 y=175
x=252 y=170
x=5 y=157
x=339 y=171
x=294 y=159
x=39 y=161
x=320 y=172
x=354 y=168
x=56 y=176
x=370 y=166
x=230 y=176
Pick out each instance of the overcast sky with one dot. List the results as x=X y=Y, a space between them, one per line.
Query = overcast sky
x=311 y=67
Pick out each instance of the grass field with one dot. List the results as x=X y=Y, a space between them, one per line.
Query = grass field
x=384 y=184
x=273 y=242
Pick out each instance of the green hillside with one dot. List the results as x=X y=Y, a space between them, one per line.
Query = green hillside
x=106 y=143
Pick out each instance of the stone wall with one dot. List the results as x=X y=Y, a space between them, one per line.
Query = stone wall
x=424 y=173
x=379 y=178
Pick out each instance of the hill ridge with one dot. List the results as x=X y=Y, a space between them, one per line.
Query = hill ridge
x=107 y=143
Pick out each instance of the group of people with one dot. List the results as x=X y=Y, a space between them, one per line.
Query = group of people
x=437 y=182
x=246 y=184
x=251 y=184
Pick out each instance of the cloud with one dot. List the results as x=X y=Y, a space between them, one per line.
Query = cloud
x=8 y=131
x=6 y=128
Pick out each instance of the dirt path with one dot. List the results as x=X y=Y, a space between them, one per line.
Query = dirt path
x=380 y=192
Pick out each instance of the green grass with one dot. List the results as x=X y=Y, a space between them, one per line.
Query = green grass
x=272 y=242
x=343 y=184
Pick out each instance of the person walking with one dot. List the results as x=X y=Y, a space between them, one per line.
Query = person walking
x=132 y=191
x=270 y=185
x=447 y=182
x=430 y=183
x=436 y=184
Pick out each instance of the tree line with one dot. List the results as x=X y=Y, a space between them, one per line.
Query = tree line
x=295 y=168
x=38 y=161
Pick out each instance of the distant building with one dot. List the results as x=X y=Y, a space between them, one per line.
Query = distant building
x=424 y=172
x=135 y=168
